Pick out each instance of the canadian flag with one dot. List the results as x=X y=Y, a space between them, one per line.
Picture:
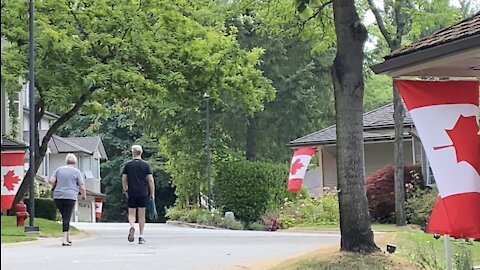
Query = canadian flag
x=445 y=114
x=12 y=176
x=98 y=207
x=301 y=159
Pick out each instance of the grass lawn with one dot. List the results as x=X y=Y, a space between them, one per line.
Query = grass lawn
x=12 y=234
x=415 y=244
x=375 y=228
x=335 y=260
x=412 y=246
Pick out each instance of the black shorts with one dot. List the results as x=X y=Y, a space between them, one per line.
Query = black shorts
x=137 y=201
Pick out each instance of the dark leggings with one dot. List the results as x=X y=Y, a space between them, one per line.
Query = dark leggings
x=65 y=207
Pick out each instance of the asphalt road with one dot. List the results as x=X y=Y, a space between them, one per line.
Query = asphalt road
x=167 y=247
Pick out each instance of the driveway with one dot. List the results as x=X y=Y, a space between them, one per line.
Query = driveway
x=167 y=247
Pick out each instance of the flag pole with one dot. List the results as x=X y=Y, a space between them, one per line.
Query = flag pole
x=448 y=252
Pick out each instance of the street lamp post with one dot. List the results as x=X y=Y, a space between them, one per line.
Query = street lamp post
x=207 y=149
x=31 y=98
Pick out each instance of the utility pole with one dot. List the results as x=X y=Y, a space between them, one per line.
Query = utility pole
x=31 y=98
x=207 y=149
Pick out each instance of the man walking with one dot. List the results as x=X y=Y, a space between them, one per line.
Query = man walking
x=137 y=180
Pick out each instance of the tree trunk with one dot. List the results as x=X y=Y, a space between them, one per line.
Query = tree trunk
x=347 y=73
x=250 y=152
x=394 y=42
x=41 y=149
x=398 y=116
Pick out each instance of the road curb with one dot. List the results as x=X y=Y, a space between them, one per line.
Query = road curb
x=192 y=225
x=80 y=236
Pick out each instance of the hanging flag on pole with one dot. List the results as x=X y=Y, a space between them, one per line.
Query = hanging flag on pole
x=445 y=114
x=98 y=208
x=12 y=176
x=298 y=168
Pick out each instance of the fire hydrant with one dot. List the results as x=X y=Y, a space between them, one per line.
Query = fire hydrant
x=21 y=213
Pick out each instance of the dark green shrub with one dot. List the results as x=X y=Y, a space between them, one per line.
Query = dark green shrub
x=419 y=205
x=44 y=208
x=256 y=226
x=250 y=188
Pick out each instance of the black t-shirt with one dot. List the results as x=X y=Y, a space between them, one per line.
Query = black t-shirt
x=137 y=171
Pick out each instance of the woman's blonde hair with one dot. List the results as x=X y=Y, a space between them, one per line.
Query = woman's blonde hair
x=71 y=159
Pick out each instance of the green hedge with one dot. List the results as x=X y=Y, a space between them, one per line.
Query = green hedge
x=44 y=208
x=249 y=188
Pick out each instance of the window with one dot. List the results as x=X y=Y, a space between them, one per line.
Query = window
x=89 y=175
x=427 y=172
x=96 y=168
x=45 y=164
x=430 y=178
x=86 y=164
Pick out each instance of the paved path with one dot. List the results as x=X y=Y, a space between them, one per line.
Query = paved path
x=167 y=247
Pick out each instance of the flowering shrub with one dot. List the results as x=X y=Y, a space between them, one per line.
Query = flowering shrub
x=310 y=211
x=270 y=221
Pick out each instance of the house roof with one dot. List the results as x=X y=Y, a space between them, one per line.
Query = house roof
x=63 y=145
x=85 y=145
x=96 y=194
x=373 y=123
x=48 y=115
x=462 y=37
x=90 y=143
x=12 y=144
x=463 y=29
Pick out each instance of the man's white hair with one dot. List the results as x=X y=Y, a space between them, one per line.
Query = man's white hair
x=137 y=149
x=71 y=159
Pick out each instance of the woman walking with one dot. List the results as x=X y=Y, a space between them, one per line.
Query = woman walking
x=67 y=181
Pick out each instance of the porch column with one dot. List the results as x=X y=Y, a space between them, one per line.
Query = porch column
x=320 y=165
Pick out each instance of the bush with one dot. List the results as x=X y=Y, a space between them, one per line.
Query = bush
x=174 y=213
x=204 y=217
x=250 y=188
x=232 y=224
x=256 y=226
x=310 y=211
x=381 y=190
x=271 y=221
x=419 y=206
x=44 y=208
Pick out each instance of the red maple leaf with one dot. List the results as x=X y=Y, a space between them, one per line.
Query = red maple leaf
x=465 y=139
x=296 y=165
x=10 y=179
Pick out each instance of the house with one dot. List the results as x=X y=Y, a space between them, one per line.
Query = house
x=378 y=135
x=12 y=153
x=89 y=151
x=451 y=54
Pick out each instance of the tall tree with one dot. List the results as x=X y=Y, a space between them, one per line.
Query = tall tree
x=395 y=21
x=394 y=42
x=118 y=132
x=140 y=54
x=317 y=26
x=304 y=98
x=347 y=73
